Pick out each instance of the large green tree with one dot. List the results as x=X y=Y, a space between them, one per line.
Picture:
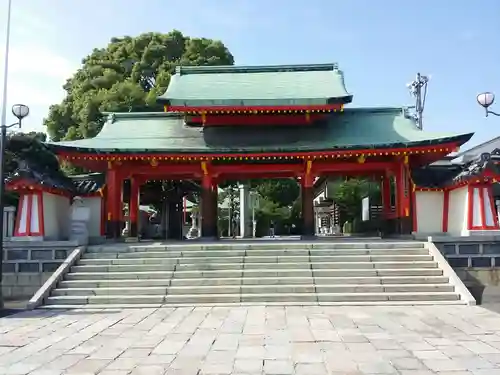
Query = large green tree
x=126 y=76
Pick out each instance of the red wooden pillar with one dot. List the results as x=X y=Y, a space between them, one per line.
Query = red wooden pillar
x=446 y=208
x=103 y=211
x=399 y=191
x=386 y=197
x=208 y=205
x=307 y=196
x=403 y=197
x=113 y=203
x=134 y=206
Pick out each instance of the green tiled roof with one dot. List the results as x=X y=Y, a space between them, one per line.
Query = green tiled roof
x=77 y=184
x=166 y=133
x=284 y=85
x=33 y=173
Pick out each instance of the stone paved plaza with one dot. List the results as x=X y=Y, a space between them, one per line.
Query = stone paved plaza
x=445 y=340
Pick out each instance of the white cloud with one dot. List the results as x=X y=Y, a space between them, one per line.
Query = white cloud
x=27 y=23
x=38 y=60
x=36 y=76
x=36 y=71
x=33 y=94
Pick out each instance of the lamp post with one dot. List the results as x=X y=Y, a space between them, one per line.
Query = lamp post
x=485 y=100
x=254 y=200
x=20 y=111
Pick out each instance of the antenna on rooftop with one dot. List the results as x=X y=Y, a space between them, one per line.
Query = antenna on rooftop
x=418 y=89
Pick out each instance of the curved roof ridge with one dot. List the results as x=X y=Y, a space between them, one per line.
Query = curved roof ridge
x=207 y=69
x=138 y=115
x=381 y=109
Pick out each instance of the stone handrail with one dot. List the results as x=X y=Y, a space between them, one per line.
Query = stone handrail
x=453 y=278
x=42 y=293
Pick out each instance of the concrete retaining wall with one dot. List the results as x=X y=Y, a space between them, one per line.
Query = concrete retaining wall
x=473 y=258
x=27 y=265
x=471 y=254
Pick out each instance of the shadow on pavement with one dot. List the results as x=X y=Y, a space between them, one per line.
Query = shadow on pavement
x=491 y=298
x=13 y=307
x=8 y=312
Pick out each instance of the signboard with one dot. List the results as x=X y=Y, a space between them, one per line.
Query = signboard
x=365 y=209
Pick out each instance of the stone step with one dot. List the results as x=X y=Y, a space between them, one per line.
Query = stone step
x=256 y=266
x=97 y=306
x=340 y=245
x=260 y=259
x=295 y=273
x=311 y=288
x=227 y=253
x=276 y=273
x=113 y=291
x=243 y=298
x=390 y=280
x=253 y=289
x=125 y=283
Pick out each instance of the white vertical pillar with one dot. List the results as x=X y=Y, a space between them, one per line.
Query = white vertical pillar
x=245 y=211
x=497 y=202
x=9 y=221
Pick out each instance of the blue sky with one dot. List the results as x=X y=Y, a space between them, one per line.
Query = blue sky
x=380 y=45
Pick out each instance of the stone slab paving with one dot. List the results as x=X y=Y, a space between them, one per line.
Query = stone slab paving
x=444 y=340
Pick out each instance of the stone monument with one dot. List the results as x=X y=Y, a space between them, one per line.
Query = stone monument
x=80 y=216
x=193 y=231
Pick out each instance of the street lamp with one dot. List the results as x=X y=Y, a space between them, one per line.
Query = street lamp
x=485 y=100
x=20 y=111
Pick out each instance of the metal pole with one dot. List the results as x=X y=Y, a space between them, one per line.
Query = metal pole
x=253 y=219
x=230 y=213
x=3 y=119
x=3 y=139
x=419 y=108
x=3 y=136
x=416 y=87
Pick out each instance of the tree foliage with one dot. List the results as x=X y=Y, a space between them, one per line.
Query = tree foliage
x=279 y=201
x=348 y=195
x=28 y=147
x=283 y=192
x=126 y=76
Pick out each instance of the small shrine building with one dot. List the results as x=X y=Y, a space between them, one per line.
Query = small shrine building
x=237 y=123
x=45 y=198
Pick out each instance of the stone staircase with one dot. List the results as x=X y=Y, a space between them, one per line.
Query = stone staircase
x=335 y=273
